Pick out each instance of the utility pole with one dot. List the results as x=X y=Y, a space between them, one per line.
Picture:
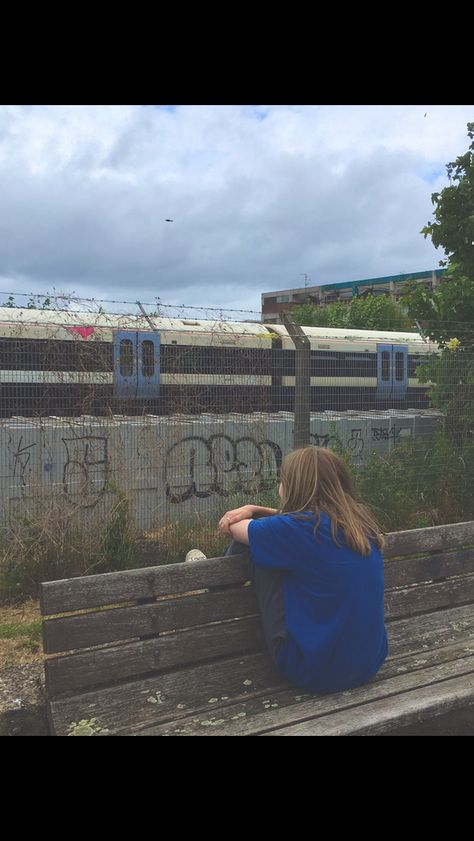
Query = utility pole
x=306 y=278
x=302 y=406
x=148 y=318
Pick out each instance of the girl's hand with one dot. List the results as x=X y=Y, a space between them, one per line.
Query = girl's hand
x=246 y=512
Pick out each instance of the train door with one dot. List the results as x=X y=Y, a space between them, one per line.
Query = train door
x=392 y=371
x=136 y=364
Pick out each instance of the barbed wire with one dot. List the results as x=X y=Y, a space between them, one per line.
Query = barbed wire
x=157 y=303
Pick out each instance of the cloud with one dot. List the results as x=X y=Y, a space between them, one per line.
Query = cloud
x=258 y=195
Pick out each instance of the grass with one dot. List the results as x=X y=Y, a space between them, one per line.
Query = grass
x=20 y=634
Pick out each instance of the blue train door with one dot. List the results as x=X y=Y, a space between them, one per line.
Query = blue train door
x=136 y=364
x=392 y=371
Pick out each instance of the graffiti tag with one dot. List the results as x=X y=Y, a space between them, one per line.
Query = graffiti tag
x=86 y=468
x=201 y=467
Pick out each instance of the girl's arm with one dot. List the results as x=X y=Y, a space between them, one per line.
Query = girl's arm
x=246 y=512
x=239 y=531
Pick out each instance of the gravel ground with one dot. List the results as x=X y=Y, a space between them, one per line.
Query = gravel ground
x=22 y=707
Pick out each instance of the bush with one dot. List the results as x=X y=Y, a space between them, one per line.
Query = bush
x=52 y=544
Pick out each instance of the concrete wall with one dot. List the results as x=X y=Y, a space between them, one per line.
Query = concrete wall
x=171 y=468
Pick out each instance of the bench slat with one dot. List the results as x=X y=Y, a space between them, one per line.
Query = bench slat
x=90 y=591
x=430 y=539
x=431 y=629
x=404 y=571
x=114 y=587
x=185 y=694
x=194 y=631
x=309 y=715
x=399 y=711
x=132 y=705
x=425 y=597
x=104 y=665
x=114 y=625
x=97 y=666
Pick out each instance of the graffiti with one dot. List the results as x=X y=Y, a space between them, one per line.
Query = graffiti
x=383 y=433
x=356 y=443
x=168 y=466
x=86 y=468
x=320 y=440
x=21 y=461
x=200 y=467
x=83 y=332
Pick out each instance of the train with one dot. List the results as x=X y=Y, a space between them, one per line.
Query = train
x=67 y=363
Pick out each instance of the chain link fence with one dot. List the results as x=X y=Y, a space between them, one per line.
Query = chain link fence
x=138 y=429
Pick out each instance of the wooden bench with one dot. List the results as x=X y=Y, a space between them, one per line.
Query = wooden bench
x=178 y=650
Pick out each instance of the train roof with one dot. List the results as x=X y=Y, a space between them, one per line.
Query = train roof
x=123 y=321
x=127 y=321
x=390 y=336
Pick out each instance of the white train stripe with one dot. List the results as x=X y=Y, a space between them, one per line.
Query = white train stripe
x=66 y=377
x=106 y=378
x=215 y=379
x=368 y=382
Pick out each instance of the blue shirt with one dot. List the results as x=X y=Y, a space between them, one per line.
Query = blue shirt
x=334 y=602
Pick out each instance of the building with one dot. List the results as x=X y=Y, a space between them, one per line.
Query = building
x=273 y=303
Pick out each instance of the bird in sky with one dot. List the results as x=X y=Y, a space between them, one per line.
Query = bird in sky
x=169 y=220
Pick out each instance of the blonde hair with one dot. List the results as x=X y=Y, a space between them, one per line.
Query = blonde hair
x=316 y=480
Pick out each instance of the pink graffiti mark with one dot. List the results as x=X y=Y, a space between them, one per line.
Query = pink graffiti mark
x=83 y=332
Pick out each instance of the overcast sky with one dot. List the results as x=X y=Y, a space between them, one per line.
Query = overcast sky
x=258 y=195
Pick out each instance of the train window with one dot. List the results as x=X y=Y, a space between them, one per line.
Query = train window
x=385 y=365
x=148 y=358
x=326 y=364
x=360 y=365
x=126 y=358
x=399 y=365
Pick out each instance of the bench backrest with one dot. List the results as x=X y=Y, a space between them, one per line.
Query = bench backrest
x=125 y=625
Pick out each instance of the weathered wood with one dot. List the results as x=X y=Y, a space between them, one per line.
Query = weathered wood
x=178 y=649
x=113 y=625
x=117 y=624
x=306 y=710
x=399 y=573
x=169 y=695
x=431 y=539
x=120 y=587
x=105 y=665
x=388 y=713
x=426 y=597
x=187 y=692
x=432 y=629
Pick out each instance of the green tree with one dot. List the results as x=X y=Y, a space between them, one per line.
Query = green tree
x=451 y=307
x=446 y=315
x=372 y=313
x=453 y=225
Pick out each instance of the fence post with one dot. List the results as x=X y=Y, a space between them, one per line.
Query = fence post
x=302 y=380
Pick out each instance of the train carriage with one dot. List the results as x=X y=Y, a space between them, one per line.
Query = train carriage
x=75 y=363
